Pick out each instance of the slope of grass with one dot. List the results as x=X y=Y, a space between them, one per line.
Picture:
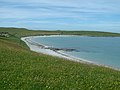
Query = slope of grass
x=23 y=69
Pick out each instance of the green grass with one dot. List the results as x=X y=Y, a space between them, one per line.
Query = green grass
x=23 y=69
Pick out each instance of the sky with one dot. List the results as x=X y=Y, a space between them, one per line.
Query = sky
x=98 y=15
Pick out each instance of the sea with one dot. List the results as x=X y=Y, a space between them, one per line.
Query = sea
x=100 y=50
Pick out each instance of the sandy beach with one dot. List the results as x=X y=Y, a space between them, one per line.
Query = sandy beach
x=34 y=46
x=39 y=48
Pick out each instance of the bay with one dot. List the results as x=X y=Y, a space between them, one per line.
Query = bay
x=100 y=50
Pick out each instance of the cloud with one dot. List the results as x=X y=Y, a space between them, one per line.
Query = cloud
x=68 y=13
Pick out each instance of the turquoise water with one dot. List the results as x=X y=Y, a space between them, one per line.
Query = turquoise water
x=101 y=50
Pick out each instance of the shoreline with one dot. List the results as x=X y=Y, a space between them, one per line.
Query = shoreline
x=39 y=48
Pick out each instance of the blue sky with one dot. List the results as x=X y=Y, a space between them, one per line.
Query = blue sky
x=98 y=15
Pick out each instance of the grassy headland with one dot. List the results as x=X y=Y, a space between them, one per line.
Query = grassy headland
x=25 y=32
x=21 y=68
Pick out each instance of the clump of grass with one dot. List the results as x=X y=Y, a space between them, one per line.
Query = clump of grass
x=21 y=68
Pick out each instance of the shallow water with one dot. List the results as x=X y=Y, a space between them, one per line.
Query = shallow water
x=101 y=50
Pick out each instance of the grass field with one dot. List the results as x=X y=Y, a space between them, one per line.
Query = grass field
x=23 y=69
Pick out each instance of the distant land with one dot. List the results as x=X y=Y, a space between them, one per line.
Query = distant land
x=26 y=32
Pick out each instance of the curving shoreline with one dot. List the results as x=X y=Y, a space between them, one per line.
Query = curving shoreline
x=37 y=47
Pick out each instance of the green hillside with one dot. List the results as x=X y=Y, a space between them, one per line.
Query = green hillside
x=23 y=69
x=25 y=32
